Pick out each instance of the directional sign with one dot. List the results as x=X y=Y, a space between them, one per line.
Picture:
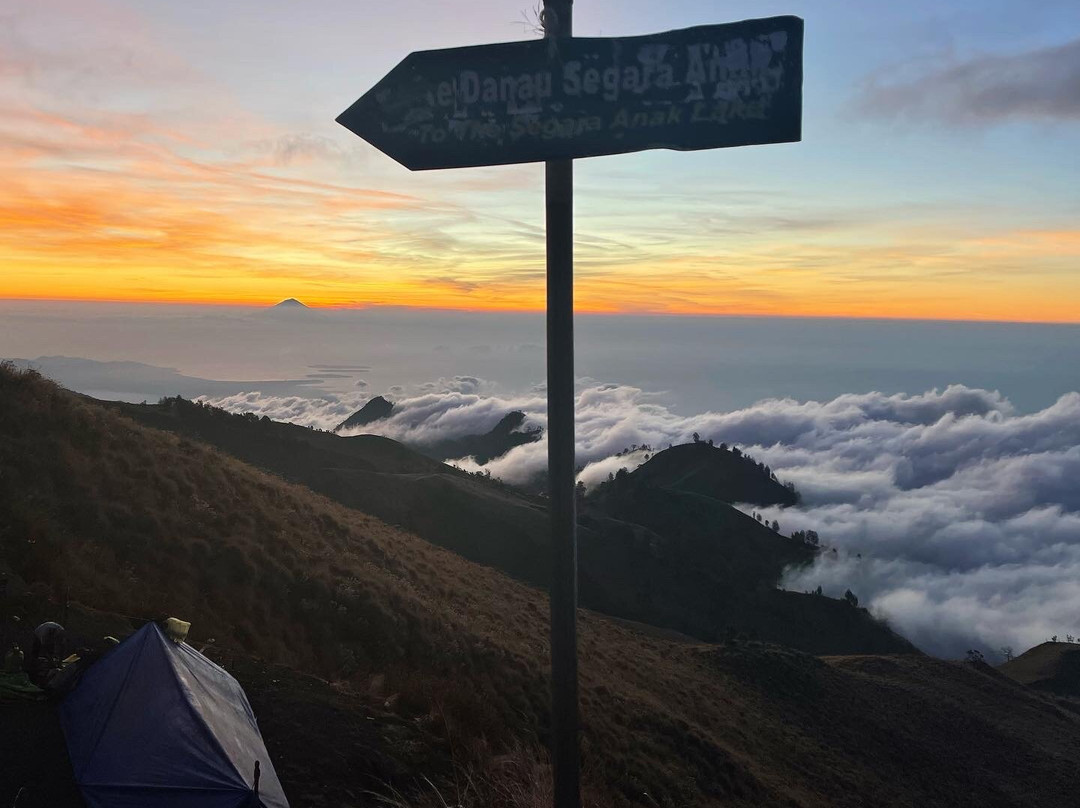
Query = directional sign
x=519 y=102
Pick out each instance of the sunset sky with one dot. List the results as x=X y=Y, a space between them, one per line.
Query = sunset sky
x=187 y=151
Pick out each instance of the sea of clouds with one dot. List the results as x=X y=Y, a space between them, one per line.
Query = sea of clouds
x=952 y=516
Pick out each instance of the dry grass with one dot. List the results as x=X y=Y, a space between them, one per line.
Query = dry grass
x=138 y=521
x=651 y=550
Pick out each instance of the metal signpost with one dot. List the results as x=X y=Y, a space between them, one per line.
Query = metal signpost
x=555 y=100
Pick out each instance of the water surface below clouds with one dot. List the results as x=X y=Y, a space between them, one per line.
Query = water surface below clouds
x=697 y=363
x=726 y=363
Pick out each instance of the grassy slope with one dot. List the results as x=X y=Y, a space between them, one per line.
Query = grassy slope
x=1052 y=666
x=140 y=522
x=686 y=562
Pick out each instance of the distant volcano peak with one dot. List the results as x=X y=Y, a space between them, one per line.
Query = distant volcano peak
x=375 y=410
x=289 y=303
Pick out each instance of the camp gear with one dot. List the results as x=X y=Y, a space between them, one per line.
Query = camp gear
x=176 y=630
x=155 y=724
x=48 y=641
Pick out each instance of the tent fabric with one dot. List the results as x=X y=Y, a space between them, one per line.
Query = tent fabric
x=155 y=724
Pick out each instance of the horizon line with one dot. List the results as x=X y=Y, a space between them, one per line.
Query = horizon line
x=316 y=307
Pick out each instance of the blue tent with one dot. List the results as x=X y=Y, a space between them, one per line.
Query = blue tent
x=155 y=724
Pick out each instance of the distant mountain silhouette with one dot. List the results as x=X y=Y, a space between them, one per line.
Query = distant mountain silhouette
x=290 y=303
x=375 y=410
x=485 y=447
x=134 y=380
x=506 y=434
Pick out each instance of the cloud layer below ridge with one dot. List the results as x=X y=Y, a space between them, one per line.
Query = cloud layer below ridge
x=951 y=515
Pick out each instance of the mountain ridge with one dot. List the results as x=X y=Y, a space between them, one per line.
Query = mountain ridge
x=128 y=519
x=374 y=409
x=484 y=447
x=629 y=566
x=1050 y=666
x=510 y=431
x=717 y=471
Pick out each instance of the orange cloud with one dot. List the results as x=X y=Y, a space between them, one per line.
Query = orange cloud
x=101 y=204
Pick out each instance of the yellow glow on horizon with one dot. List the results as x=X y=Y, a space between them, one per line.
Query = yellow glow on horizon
x=132 y=266
x=593 y=296
x=156 y=227
x=162 y=185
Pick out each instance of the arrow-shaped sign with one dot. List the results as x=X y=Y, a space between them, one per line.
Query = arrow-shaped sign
x=519 y=102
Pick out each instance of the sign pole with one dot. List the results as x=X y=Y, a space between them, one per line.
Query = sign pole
x=554 y=100
x=559 y=186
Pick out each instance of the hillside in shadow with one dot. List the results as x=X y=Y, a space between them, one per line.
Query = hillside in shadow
x=719 y=472
x=374 y=410
x=445 y=661
x=678 y=560
x=1050 y=666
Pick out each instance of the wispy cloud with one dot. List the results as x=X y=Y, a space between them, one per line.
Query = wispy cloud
x=1042 y=84
x=303 y=148
x=130 y=172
